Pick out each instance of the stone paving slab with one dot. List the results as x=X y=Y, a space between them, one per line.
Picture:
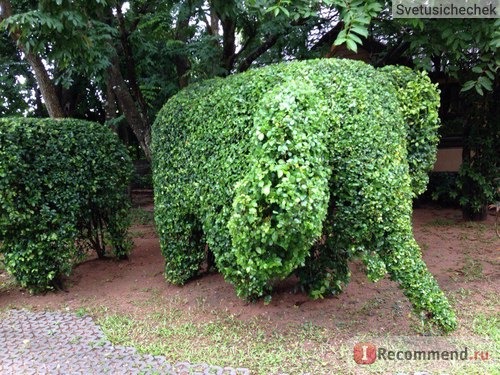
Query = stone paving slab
x=62 y=343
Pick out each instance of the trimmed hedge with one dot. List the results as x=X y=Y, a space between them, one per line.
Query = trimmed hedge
x=63 y=186
x=298 y=168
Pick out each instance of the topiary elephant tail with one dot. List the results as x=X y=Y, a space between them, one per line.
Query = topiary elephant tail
x=280 y=204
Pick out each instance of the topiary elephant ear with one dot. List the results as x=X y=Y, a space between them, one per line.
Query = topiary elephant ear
x=281 y=202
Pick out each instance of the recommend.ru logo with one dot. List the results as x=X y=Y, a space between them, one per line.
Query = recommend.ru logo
x=366 y=353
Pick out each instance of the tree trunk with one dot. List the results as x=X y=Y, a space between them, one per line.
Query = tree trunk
x=110 y=106
x=214 y=22
x=182 y=64
x=130 y=73
x=256 y=53
x=45 y=84
x=136 y=120
x=111 y=109
x=228 y=44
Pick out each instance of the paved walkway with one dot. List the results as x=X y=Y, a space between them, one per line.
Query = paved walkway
x=62 y=343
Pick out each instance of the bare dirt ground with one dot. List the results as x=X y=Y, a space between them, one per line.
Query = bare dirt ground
x=464 y=258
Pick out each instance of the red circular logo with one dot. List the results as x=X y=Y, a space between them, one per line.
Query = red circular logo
x=365 y=353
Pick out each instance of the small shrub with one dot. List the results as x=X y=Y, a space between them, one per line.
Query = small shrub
x=298 y=168
x=442 y=189
x=140 y=216
x=62 y=191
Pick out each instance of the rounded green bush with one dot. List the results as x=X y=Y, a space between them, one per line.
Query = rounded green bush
x=63 y=190
x=298 y=168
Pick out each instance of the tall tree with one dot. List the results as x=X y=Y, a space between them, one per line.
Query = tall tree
x=45 y=83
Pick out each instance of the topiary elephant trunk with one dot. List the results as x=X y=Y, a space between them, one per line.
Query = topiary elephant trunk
x=299 y=168
x=280 y=203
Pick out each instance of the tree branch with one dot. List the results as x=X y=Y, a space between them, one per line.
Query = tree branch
x=256 y=53
x=328 y=38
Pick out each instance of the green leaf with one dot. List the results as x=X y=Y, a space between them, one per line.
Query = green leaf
x=490 y=74
x=486 y=83
x=352 y=45
x=363 y=31
x=266 y=189
x=285 y=11
x=355 y=39
x=468 y=85
x=339 y=41
x=479 y=89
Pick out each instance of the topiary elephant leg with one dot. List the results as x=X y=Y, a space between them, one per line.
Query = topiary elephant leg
x=384 y=241
x=326 y=269
x=184 y=249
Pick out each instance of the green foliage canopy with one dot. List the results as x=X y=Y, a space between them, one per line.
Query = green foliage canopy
x=66 y=32
x=298 y=167
x=62 y=187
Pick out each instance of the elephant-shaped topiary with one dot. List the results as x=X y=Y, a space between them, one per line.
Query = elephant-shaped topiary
x=299 y=168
